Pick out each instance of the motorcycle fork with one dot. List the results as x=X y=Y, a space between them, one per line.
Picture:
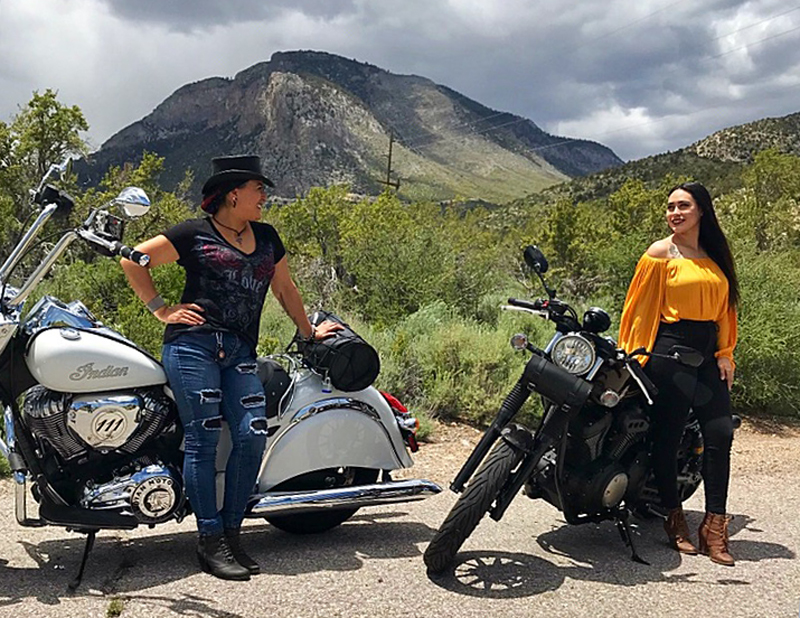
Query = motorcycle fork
x=551 y=431
x=517 y=480
x=512 y=404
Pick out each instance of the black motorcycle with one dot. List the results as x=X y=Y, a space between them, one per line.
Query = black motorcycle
x=590 y=455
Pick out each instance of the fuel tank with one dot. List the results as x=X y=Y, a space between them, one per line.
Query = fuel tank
x=74 y=360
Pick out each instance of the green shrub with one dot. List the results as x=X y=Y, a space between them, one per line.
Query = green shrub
x=115 y=607
x=768 y=349
x=450 y=367
x=384 y=259
x=102 y=287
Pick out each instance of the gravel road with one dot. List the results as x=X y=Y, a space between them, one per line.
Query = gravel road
x=529 y=564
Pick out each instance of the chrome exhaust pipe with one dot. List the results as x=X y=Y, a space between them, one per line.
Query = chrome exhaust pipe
x=287 y=502
x=21 y=503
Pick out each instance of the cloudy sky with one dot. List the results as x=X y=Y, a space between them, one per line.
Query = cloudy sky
x=641 y=76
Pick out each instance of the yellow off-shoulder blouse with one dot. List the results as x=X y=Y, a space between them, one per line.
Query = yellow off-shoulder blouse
x=672 y=289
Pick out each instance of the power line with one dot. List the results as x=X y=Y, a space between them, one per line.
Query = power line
x=412 y=137
x=626 y=128
x=758 y=23
x=518 y=120
x=436 y=138
x=769 y=38
x=626 y=26
x=648 y=122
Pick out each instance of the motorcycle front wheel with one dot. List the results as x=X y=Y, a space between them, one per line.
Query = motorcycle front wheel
x=467 y=512
x=315 y=522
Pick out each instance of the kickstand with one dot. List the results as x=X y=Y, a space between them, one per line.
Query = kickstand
x=73 y=585
x=627 y=537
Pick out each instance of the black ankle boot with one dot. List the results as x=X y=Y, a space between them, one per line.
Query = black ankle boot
x=234 y=542
x=216 y=557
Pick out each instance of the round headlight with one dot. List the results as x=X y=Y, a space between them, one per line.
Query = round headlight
x=574 y=354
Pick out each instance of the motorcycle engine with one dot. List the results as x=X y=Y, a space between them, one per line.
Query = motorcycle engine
x=153 y=494
x=602 y=486
x=77 y=425
x=605 y=462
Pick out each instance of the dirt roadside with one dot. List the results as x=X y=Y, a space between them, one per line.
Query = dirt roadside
x=529 y=564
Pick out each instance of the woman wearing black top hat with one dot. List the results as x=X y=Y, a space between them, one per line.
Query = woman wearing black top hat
x=230 y=259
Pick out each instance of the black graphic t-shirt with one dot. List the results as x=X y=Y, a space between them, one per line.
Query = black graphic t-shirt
x=230 y=285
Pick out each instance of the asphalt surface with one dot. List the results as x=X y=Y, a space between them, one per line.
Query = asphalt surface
x=529 y=564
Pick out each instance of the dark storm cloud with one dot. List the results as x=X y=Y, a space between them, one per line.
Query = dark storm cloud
x=641 y=76
x=187 y=15
x=675 y=64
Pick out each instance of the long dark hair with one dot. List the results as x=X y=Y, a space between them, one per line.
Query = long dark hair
x=712 y=238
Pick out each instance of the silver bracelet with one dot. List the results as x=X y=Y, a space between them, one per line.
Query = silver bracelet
x=155 y=303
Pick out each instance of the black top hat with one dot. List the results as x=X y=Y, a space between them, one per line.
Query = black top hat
x=236 y=169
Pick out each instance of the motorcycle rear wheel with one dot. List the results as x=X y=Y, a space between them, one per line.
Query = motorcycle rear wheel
x=467 y=512
x=690 y=462
x=316 y=522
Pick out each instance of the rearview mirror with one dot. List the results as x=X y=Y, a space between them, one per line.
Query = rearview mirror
x=56 y=171
x=686 y=355
x=134 y=202
x=65 y=169
x=535 y=259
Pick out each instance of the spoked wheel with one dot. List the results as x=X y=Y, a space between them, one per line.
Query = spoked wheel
x=470 y=507
x=315 y=522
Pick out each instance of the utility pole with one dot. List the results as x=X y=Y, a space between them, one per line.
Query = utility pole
x=388 y=182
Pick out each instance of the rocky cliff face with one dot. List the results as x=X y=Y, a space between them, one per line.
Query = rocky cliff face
x=318 y=119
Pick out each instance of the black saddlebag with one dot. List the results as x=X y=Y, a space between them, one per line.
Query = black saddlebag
x=350 y=363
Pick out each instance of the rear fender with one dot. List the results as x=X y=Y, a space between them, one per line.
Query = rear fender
x=338 y=431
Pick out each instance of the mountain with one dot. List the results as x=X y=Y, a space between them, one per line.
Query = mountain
x=742 y=142
x=717 y=161
x=318 y=119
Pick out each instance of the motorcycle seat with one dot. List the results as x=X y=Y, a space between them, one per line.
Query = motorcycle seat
x=276 y=382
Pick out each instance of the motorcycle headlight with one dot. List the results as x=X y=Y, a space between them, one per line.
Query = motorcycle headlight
x=574 y=354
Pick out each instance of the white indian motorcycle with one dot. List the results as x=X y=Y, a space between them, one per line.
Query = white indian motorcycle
x=91 y=431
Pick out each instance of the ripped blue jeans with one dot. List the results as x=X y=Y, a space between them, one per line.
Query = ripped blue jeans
x=213 y=377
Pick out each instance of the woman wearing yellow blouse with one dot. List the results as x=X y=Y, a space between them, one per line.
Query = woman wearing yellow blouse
x=684 y=292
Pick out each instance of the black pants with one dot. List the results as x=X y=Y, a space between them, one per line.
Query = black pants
x=680 y=388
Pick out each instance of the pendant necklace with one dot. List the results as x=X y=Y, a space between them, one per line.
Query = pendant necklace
x=239 y=239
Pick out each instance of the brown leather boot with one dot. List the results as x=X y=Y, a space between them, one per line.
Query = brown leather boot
x=713 y=534
x=678 y=531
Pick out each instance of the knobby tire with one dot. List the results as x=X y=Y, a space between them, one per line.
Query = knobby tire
x=467 y=512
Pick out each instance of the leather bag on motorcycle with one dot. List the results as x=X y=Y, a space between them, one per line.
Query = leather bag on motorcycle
x=350 y=362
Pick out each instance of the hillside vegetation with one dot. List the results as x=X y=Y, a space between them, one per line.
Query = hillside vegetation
x=423 y=282
x=718 y=160
x=741 y=143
